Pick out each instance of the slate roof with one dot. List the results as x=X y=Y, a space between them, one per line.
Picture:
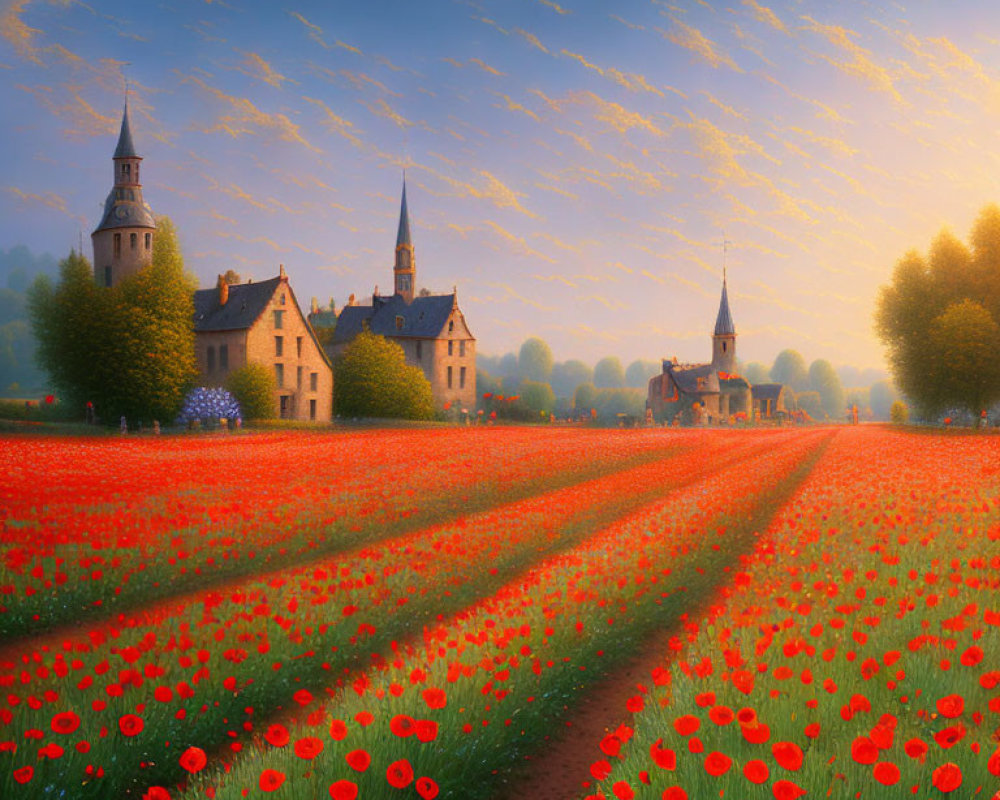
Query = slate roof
x=423 y=317
x=323 y=319
x=125 y=148
x=120 y=213
x=403 y=234
x=766 y=391
x=724 y=322
x=246 y=303
x=686 y=377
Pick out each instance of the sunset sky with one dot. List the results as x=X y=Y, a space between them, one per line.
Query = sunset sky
x=571 y=166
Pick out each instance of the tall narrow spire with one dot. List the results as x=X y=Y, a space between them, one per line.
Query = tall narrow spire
x=125 y=148
x=724 y=322
x=403 y=235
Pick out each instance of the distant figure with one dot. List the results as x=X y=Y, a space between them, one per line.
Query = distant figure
x=90 y=413
x=124 y=426
x=156 y=427
x=854 y=414
x=983 y=419
x=239 y=423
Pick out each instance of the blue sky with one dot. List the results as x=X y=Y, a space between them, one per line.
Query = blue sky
x=571 y=166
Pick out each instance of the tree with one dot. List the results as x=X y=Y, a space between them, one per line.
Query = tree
x=608 y=373
x=372 y=379
x=129 y=349
x=755 y=373
x=811 y=403
x=922 y=317
x=640 y=371
x=567 y=375
x=232 y=277
x=534 y=362
x=537 y=396
x=253 y=386
x=584 y=398
x=898 y=413
x=881 y=396
x=507 y=366
x=963 y=369
x=789 y=368
x=824 y=380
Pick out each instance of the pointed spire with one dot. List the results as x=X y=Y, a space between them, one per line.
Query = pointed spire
x=724 y=322
x=403 y=236
x=125 y=148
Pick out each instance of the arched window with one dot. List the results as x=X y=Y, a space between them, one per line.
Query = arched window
x=133 y=240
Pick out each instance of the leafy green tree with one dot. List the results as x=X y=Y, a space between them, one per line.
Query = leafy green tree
x=129 y=349
x=534 y=362
x=537 y=396
x=372 y=379
x=898 y=413
x=612 y=402
x=824 y=380
x=755 y=372
x=486 y=383
x=811 y=403
x=253 y=386
x=507 y=366
x=922 y=317
x=567 y=375
x=584 y=398
x=639 y=372
x=232 y=277
x=964 y=369
x=609 y=374
x=881 y=396
x=789 y=368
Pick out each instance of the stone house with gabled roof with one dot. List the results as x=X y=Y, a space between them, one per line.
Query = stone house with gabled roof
x=262 y=322
x=430 y=328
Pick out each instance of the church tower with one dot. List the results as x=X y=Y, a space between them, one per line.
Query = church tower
x=724 y=338
x=123 y=242
x=405 y=269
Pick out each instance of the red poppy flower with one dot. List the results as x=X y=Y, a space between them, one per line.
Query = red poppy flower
x=786 y=790
x=343 y=790
x=435 y=698
x=156 y=793
x=193 y=759
x=358 y=760
x=947 y=777
x=399 y=774
x=886 y=773
x=308 y=747
x=338 y=729
x=812 y=730
x=277 y=735
x=271 y=780
x=864 y=751
x=951 y=706
x=426 y=788
x=915 y=748
x=756 y=734
x=65 y=722
x=303 y=697
x=949 y=737
x=756 y=771
x=635 y=704
x=622 y=790
x=675 y=793
x=721 y=715
x=743 y=681
x=600 y=769
x=717 y=763
x=51 y=751
x=401 y=725
x=130 y=724
x=426 y=730
x=24 y=774
x=610 y=745
x=993 y=765
x=364 y=718
x=788 y=755
x=686 y=725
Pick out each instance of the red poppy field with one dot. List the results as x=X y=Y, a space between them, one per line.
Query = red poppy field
x=388 y=614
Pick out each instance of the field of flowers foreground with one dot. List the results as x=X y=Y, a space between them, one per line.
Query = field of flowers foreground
x=409 y=614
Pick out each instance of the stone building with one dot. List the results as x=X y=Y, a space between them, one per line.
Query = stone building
x=262 y=322
x=123 y=241
x=703 y=393
x=430 y=328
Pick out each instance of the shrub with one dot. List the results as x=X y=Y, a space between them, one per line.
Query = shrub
x=898 y=413
x=253 y=387
x=208 y=404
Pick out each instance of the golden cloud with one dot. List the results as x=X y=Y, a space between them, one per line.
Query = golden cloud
x=517 y=243
x=513 y=106
x=47 y=199
x=859 y=62
x=765 y=15
x=18 y=33
x=615 y=115
x=531 y=39
x=336 y=123
x=694 y=40
x=258 y=69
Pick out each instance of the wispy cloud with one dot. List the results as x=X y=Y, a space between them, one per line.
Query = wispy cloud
x=46 y=199
x=555 y=7
x=517 y=243
x=531 y=39
x=316 y=34
x=694 y=40
x=81 y=117
x=511 y=105
x=630 y=80
x=17 y=32
x=859 y=61
x=259 y=69
x=615 y=115
x=765 y=15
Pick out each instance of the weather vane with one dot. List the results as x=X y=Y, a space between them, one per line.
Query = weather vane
x=725 y=248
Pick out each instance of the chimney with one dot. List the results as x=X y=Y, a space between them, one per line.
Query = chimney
x=223 y=291
x=333 y=307
x=351 y=301
x=314 y=308
x=281 y=272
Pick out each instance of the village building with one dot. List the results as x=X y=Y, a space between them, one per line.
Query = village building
x=712 y=393
x=262 y=323
x=430 y=328
x=123 y=241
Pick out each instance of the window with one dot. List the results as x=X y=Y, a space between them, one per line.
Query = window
x=451 y=325
x=461 y=377
x=149 y=240
x=282 y=300
x=283 y=407
x=313 y=381
x=279 y=317
x=298 y=346
x=723 y=347
x=461 y=348
x=399 y=323
x=126 y=170
x=223 y=356
x=449 y=377
x=107 y=276
x=403 y=281
x=312 y=409
x=133 y=240
x=210 y=360
x=118 y=245
x=136 y=173
x=298 y=377
x=451 y=347
x=420 y=350
x=279 y=375
x=279 y=346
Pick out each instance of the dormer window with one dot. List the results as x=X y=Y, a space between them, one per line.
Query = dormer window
x=451 y=325
x=399 y=323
